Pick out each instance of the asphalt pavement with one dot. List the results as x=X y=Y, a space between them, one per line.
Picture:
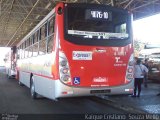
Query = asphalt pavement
x=148 y=102
x=15 y=99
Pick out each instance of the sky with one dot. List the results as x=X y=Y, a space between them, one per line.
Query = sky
x=147 y=30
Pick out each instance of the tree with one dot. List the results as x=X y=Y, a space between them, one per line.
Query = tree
x=138 y=46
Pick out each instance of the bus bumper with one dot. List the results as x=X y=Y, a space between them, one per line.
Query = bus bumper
x=73 y=91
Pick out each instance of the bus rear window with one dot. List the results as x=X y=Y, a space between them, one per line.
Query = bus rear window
x=97 y=23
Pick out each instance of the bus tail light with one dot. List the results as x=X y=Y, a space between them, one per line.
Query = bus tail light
x=130 y=70
x=64 y=70
x=65 y=78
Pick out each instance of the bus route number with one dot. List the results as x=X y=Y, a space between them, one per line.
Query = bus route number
x=95 y=14
x=99 y=14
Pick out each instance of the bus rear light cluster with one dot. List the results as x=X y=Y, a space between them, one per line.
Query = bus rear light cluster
x=64 y=70
x=131 y=63
x=129 y=76
x=65 y=78
x=63 y=63
x=130 y=70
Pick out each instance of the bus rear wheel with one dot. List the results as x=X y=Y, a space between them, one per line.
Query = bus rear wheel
x=32 y=89
x=20 y=83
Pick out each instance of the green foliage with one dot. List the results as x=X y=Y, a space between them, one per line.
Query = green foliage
x=138 y=46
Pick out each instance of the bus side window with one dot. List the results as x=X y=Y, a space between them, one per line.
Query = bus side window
x=27 y=48
x=42 y=42
x=20 y=50
x=121 y=28
x=50 y=34
x=30 y=48
x=36 y=36
x=42 y=47
x=35 y=45
x=26 y=51
x=23 y=50
x=51 y=25
x=30 y=51
x=43 y=32
x=40 y=34
x=46 y=26
x=35 y=49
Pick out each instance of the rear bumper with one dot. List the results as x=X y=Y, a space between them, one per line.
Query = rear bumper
x=67 y=91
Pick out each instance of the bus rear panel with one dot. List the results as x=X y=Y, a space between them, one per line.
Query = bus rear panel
x=95 y=51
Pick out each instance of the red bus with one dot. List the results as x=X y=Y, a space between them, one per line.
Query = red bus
x=78 y=49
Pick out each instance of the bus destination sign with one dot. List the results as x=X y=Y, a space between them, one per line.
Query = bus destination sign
x=98 y=15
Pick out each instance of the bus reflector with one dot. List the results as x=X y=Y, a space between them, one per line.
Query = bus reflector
x=65 y=92
x=128 y=90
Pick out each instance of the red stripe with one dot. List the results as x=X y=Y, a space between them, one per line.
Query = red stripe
x=40 y=75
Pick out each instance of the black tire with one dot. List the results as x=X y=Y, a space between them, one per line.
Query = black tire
x=21 y=84
x=9 y=77
x=32 y=89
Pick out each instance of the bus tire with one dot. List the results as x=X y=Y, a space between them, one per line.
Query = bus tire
x=20 y=83
x=32 y=89
x=9 y=77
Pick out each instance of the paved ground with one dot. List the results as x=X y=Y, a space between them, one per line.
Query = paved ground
x=16 y=99
x=148 y=102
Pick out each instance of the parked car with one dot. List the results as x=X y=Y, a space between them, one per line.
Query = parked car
x=154 y=74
